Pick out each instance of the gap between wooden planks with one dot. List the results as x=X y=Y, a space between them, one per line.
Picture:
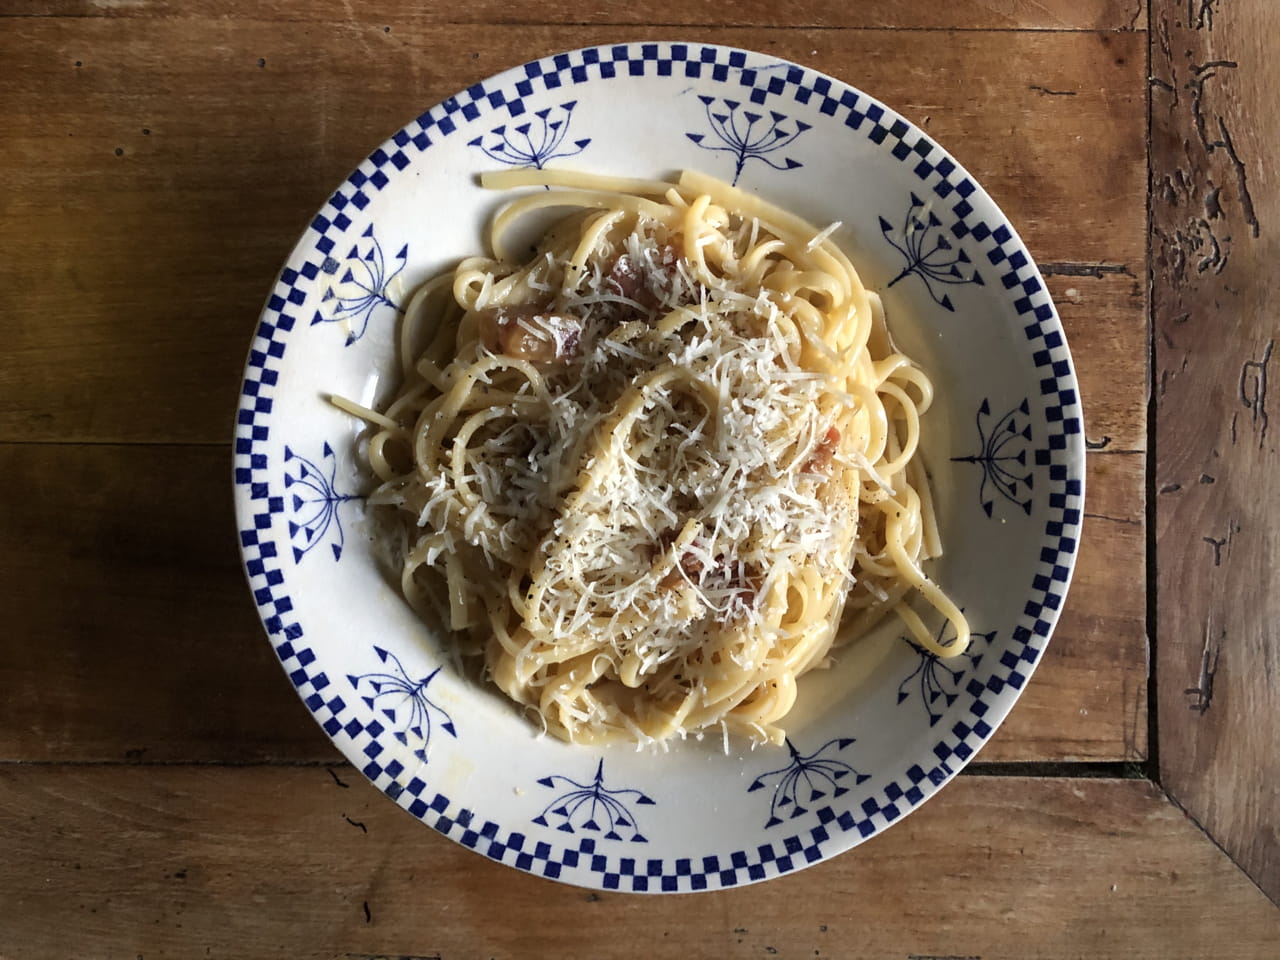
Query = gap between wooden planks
x=313 y=862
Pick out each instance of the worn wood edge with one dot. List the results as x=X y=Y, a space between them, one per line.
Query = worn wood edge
x=1272 y=896
x=959 y=15
x=1213 y=210
x=316 y=863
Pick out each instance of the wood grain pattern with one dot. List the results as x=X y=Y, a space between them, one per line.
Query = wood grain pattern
x=141 y=642
x=193 y=168
x=1103 y=309
x=129 y=630
x=302 y=863
x=160 y=159
x=879 y=14
x=1088 y=700
x=1215 y=211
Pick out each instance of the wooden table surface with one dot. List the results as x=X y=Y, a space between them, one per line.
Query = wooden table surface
x=164 y=794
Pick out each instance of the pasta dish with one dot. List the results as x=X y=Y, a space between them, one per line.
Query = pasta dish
x=647 y=469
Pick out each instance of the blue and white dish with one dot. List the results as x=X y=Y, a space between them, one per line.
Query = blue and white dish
x=872 y=738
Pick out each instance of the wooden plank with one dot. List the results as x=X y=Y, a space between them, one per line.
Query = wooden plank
x=313 y=863
x=130 y=632
x=1089 y=697
x=1088 y=700
x=129 y=629
x=1104 y=311
x=954 y=15
x=196 y=149
x=1215 y=210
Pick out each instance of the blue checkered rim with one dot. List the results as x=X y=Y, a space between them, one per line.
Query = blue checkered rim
x=835 y=828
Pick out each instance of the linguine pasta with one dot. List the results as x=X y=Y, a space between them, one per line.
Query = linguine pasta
x=647 y=471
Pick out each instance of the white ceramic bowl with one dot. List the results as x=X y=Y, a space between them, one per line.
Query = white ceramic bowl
x=871 y=739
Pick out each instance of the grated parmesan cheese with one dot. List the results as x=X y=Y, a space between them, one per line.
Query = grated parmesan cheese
x=695 y=516
x=650 y=528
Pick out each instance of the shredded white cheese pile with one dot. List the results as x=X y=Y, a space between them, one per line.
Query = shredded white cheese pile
x=704 y=500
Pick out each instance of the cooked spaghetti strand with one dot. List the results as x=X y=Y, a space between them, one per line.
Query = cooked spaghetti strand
x=662 y=461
